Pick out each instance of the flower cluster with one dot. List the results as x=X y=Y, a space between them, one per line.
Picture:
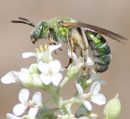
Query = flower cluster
x=47 y=75
x=44 y=72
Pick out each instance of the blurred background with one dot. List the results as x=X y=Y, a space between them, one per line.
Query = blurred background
x=113 y=15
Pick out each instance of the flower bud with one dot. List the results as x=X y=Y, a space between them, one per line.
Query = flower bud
x=72 y=71
x=37 y=82
x=25 y=80
x=112 y=108
x=33 y=69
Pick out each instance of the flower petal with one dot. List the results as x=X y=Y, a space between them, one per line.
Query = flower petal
x=87 y=105
x=25 y=79
x=45 y=79
x=10 y=77
x=37 y=81
x=102 y=82
x=37 y=98
x=98 y=99
x=55 y=66
x=94 y=75
x=56 y=79
x=43 y=67
x=19 y=109
x=11 y=116
x=54 y=47
x=72 y=55
x=89 y=61
x=28 y=54
x=95 y=88
x=23 y=95
x=32 y=112
x=79 y=89
x=24 y=70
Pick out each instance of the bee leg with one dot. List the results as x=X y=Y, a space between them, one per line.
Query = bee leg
x=81 y=39
x=71 y=44
x=50 y=40
x=71 y=40
x=55 y=52
x=60 y=49
x=70 y=61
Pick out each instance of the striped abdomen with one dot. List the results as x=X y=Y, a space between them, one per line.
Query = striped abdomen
x=100 y=51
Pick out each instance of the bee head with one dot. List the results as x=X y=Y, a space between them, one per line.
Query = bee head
x=40 y=30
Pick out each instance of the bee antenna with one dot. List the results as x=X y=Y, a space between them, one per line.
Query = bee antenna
x=25 y=21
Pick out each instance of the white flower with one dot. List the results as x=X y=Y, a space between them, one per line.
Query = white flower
x=93 y=95
x=50 y=72
x=79 y=61
x=23 y=78
x=95 y=77
x=11 y=116
x=10 y=77
x=32 y=106
x=45 y=56
x=13 y=76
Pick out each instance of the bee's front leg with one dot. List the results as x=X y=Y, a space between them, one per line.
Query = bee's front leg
x=51 y=40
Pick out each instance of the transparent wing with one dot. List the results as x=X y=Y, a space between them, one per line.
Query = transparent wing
x=97 y=30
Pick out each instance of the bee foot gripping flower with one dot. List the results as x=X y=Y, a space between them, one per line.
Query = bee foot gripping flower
x=74 y=68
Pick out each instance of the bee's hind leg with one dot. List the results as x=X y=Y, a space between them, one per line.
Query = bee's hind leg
x=83 y=43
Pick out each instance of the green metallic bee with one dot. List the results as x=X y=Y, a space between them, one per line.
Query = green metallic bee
x=78 y=35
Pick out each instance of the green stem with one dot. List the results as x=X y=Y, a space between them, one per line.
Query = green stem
x=47 y=101
x=72 y=101
x=65 y=80
x=57 y=100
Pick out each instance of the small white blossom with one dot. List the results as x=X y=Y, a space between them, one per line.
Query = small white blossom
x=93 y=95
x=10 y=77
x=95 y=77
x=75 y=67
x=23 y=78
x=50 y=72
x=43 y=55
x=32 y=106
x=79 y=61
x=13 y=76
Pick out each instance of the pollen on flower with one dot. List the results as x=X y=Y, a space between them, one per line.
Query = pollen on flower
x=46 y=48
x=50 y=72
x=41 y=48
x=37 y=50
